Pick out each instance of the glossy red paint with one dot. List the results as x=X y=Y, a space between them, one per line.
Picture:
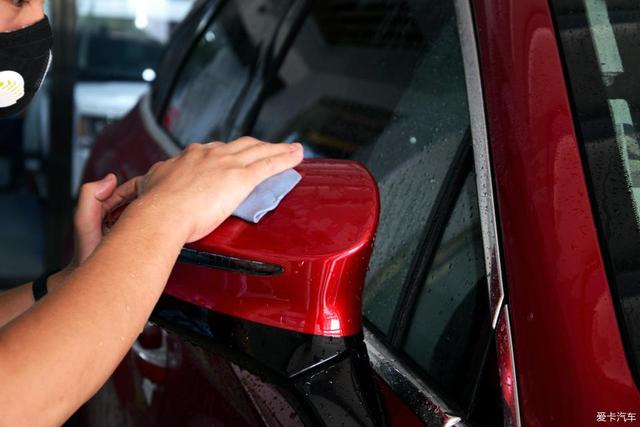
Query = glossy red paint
x=569 y=356
x=321 y=234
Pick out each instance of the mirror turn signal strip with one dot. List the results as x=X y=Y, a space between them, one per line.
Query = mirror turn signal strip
x=223 y=262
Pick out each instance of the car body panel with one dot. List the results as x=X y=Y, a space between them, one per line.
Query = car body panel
x=568 y=350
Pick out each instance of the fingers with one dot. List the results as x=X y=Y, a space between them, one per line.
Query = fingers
x=263 y=150
x=250 y=149
x=215 y=144
x=122 y=195
x=273 y=164
x=241 y=144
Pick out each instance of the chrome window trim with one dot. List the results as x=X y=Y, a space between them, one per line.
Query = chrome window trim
x=486 y=200
x=482 y=159
x=406 y=384
x=156 y=132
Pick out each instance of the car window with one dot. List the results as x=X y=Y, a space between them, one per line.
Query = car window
x=445 y=334
x=219 y=69
x=380 y=82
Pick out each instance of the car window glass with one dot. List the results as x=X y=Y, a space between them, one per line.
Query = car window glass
x=444 y=336
x=380 y=82
x=219 y=69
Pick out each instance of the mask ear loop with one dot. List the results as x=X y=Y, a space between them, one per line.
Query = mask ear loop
x=46 y=71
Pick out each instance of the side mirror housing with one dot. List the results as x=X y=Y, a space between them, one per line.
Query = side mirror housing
x=302 y=267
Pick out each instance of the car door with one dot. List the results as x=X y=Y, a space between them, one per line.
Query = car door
x=383 y=83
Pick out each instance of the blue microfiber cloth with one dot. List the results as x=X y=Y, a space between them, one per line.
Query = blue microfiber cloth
x=267 y=196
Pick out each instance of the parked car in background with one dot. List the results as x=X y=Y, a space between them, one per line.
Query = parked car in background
x=503 y=284
x=119 y=44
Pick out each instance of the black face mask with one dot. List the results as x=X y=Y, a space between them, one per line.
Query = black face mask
x=25 y=56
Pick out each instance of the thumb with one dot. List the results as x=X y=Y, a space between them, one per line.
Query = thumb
x=92 y=194
x=89 y=215
x=105 y=187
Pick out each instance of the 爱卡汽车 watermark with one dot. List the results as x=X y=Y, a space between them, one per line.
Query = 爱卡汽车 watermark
x=616 y=417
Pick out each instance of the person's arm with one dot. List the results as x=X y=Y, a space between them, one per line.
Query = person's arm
x=16 y=301
x=56 y=355
x=87 y=235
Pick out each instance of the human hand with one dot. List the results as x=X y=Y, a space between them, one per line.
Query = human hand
x=90 y=212
x=196 y=191
x=87 y=225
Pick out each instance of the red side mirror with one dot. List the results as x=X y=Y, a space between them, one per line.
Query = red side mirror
x=302 y=267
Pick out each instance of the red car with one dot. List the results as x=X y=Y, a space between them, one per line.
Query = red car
x=502 y=184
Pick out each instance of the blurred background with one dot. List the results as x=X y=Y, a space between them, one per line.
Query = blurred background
x=116 y=47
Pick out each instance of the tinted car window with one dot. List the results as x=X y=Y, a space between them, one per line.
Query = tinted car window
x=380 y=82
x=218 y=71
x=447 y=336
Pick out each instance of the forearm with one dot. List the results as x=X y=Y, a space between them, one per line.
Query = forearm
x=57 y=355
x=16 y=301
